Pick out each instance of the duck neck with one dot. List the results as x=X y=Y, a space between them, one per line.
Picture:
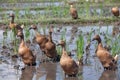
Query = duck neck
x=100 y=46
x=12 y=19
x=22 y=40
x=50 y=37
x=64 y=50
x=37 y=33
x=99 y=40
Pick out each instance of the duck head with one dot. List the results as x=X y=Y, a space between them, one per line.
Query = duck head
x=11 y=15
x=51 y=30
x=96 y=37
x=19 y=27
x=33 y=27
x=20 y=34
x=62 y=43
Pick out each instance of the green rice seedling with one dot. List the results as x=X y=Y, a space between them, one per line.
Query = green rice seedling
x=80 y=76
x=27 y=34
x=27 y=13
x=80 y=46
x=98 y=30
x=14 y=40
x=4 y=37
x=55 y=11
x=63 y=34
x=101 y=8
x=115 y=48
x=44 y=30
x=87 y=9
x=89 y=36
x=16 y=13
x=64 y=12
x=59 y=50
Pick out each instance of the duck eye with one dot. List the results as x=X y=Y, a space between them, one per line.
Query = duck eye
x=113 y=60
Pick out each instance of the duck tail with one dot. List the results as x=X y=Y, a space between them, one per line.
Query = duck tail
x=116 y=58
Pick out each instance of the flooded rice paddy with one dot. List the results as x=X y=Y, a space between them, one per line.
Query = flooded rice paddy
x=10 y=68
x=47 y=9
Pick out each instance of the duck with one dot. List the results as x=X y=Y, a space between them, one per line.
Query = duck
x=39 y=38
x=69 y=66
x=107 y=60
x=115 y=11
x=12 y=24
x=28 y=58
x=73 y=12
x=50 y=47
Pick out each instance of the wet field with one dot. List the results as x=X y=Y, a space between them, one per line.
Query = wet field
x=10 y=65
x=10 y=68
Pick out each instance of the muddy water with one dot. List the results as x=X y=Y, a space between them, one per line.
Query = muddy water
x=22 y=13
x=10 y=69
x=93 y=11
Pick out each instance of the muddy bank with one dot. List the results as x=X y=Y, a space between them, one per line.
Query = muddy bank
x=81 y=21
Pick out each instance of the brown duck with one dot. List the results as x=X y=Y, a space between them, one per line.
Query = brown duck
x=25 y=53
x=115 y=11
x=40 y=39
x=12 y=24
x=69 y=66
x=73 y=12
x=104 y=56
x=50 y=47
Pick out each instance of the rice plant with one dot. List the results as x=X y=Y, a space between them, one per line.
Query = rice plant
x=14 y=40
x=63 y=34
x=80 y=47
x=59 y=49
x=4 y=37
x=27 y=34
x=115 y=46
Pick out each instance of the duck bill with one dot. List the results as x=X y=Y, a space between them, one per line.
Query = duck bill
x=58 y=44
x=92 y=39
x=30 y=28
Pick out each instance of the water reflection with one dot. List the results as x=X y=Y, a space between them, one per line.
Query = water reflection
x=28 y=73
x=72 y=78
x=108 y=75
x=47 y=71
